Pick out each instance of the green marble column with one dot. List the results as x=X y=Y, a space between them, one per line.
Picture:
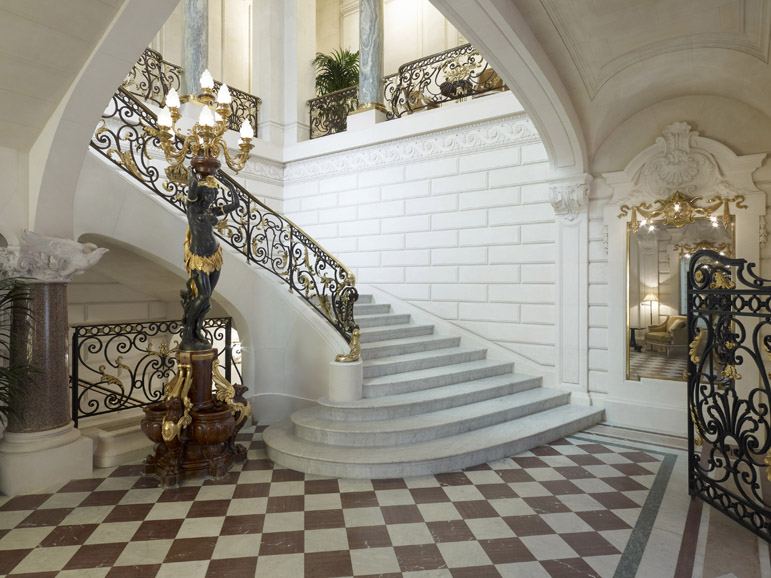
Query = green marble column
x=195 y=44
x=370 y=53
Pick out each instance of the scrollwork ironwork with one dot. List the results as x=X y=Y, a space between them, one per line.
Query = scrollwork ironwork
x=152 y=77
x=329 y=113
x=244 y=106
x=729 y=320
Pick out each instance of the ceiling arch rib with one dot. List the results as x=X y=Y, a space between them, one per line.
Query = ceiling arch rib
x=498 y=30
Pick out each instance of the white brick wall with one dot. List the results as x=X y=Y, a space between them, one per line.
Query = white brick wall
x=468 y=237
x=598 y=298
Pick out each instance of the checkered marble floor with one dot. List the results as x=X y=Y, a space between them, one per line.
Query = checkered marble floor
x=658 y=364
x=563 y=510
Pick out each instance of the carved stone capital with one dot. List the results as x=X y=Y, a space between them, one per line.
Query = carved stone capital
x=570 y=198
x=48 y=259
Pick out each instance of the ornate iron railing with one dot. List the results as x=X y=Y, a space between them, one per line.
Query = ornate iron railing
x=429 y=81
x=244 y=106
x=729 y=327
x=117 y=366
x=152 y=77
x=127 y=136
x=329 y=113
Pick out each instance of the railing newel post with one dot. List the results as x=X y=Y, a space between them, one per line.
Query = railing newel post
x=74 y=382
x=228 y=349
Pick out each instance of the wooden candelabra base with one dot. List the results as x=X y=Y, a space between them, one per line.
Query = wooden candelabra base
x=194 y=431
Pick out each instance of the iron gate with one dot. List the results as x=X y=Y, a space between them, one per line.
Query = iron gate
x=729 y=396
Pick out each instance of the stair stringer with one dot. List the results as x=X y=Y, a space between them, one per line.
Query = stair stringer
x=448 y=328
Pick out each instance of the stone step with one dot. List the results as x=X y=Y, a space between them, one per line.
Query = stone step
x=433 y=377
x=394 y=332
x=382 y=320
x=364 y=299
x=389 y=348
x=429 y=400
x=310 y=425
x=428 y=457
x=421 y=360
x=371 y=308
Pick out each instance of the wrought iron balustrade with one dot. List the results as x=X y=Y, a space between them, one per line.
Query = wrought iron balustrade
x=329 y=113
x=152 y=77
x=127 y=136
x=427 y=82
x=120 y=366
x=244 y=106
x=729 y=440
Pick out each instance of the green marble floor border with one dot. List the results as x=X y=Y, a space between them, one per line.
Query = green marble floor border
x=638 y=539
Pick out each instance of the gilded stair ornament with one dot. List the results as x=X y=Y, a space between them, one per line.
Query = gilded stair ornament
x=355 y=353
x=678 y=210
x=226 y=392
x=693 y=348
x=721 y=282
x=178 y=388
x=698 y=440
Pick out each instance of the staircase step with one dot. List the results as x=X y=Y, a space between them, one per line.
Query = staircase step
x=429 y=457
x=364 y=299
x=395 y=332
x=434 y=377
x=391 y=347
x=421 y=360
x=382 y=320
x=428 y=400
x=371 y=308
x=310 y=425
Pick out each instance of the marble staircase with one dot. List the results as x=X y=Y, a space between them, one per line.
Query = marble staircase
x=430 y=404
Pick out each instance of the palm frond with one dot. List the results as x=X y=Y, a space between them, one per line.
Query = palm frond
x=14 y=300
x=336 y=71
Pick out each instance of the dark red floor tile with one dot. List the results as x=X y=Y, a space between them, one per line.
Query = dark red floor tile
x=632 y=469
x=322 y=519
x=73 y=535
x=624 y=484
x=569 y=568
x=515 y=476
x=476 y=509
x=589 y=544
x=282 y=543
x=232 y=568
x=29 y=502
x=453 y=479
x=184 y=494
x=333 y=564
x=614 y=500
x=546 y=505
x=86 y=485
x=390 y=575
x=389 y=484
x=129 y=513
x=252 y=491
x=638 y=457
x=287 y=476
x=246 y=524
x=189 y=549
x=146 y=483
x=475 y=572
x=561 y=442
x=574 y=472
x=95 y=556
x=260 y=428
x=108 y=498
x=359 y=499
x=421 y=557
x=545 y=451
x=208 y=509
x=253 y=465
x=561 y=487
x=450 y=531
x=429 y=495
x=227 y=480
x=244 y=437
x=506 y=550
x=401 y=514
x=281 y=504
x=477 y=468
x=530 y=462
x=34 y=575
x=496 y=491
x=11 y=558
x=602 y=520
x=595 y=449
x=361 y=537
x=321 y=487
x=51 y=517
x=528 y=525
x=585 y=460
x=128 y=471
x=140 y=571
x=158 y=530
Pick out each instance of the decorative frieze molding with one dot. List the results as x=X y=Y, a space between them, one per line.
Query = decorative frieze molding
x=569 y=199
x=48 y=259
x=515 y=129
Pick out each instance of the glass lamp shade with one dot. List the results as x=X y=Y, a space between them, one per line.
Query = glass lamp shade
x=650 y=297
x=206 y=80
x=172 y=99
x=164 y=117
x=206 y=118
x=246 y=130
x=223 y=96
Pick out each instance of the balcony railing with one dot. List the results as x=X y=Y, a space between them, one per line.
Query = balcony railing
x=120 y=366
x=425 y=83
x=152 y=77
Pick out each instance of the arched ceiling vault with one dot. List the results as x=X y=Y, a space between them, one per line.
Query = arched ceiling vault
x=608 y=60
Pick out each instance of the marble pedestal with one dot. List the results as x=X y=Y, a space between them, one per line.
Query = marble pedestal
x=345 y=380
x=365 y=119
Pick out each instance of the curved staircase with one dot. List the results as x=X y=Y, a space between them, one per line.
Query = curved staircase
x=429 y=405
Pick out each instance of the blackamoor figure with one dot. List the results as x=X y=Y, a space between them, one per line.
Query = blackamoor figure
x=203 y=258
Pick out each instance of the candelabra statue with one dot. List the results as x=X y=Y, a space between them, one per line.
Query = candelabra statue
x=194 y=428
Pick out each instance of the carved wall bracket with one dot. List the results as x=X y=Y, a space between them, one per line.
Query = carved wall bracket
x=570 y=198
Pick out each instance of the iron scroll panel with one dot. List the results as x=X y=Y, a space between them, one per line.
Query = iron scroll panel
x=127 y=136
x=152 y=77
x=120 y=366
x=329 y=113
x=729 y=327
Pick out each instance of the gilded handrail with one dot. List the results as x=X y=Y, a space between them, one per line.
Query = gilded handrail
x=128 y=136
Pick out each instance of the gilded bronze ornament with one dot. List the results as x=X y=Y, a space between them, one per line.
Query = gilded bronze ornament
x=678 y=210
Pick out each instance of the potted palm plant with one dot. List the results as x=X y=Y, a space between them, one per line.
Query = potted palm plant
x=335 y=72
x=14 y=296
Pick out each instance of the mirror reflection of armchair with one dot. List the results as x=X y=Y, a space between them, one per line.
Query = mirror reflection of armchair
x=672 y=332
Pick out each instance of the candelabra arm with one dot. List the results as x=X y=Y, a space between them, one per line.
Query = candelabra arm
x=236 y=163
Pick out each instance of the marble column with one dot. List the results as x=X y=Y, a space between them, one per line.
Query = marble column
x=40 y=446
x=195 y=44
x=569 y=200
x=371 y=109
